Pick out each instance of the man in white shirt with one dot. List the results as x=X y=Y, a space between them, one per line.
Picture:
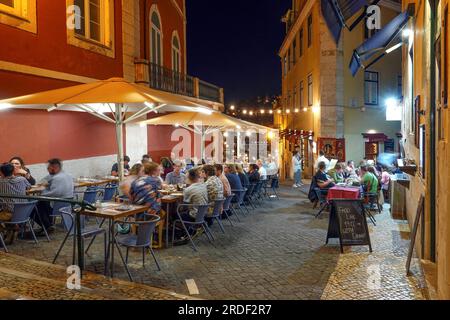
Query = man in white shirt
x=322 y=158
x=297 y=169
x=262 y=171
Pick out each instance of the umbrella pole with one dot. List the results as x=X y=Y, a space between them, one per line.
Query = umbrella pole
x=119 y=137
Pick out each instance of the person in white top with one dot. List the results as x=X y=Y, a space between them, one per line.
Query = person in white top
x=272 y=168
x=322 y=158
x=262 y=171
x=297 y=169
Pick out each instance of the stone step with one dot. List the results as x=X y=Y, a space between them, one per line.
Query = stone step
x=22 y=278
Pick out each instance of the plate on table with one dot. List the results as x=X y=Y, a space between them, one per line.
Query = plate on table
x=177 y=194
x=123 y=208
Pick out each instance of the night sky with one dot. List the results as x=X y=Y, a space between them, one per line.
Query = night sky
x=234 y=44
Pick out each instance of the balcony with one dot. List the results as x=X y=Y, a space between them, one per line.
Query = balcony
x=165 y=79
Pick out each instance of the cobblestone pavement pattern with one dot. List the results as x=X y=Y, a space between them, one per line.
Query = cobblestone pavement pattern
x=276 y=252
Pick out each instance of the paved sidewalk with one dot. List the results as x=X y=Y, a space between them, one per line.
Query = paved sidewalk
x=277 y=252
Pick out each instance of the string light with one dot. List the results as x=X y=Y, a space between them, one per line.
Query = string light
x=244 y=112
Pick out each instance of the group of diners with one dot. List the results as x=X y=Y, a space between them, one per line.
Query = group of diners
x=143 y=185
x=16 y=180
x=372 y=177
x=201 y=184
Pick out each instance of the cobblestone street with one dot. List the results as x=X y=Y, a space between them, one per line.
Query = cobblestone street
x=276 y=252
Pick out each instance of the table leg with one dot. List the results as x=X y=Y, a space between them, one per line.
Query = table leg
x=79 y=243
x=167 y=225
x=112 y=240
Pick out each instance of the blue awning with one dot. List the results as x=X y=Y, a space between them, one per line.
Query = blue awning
x=375 y=47
x=337 y=12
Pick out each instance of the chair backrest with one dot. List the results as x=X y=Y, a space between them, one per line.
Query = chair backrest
x=227 y=202
x=146 y=229
x=22 y=211
x=57 y=206
x=90 y=196
x=69 y=219
x=320 y=195
x=250 y=189
x=202 y=211
x=109 y=193
x=218 y=206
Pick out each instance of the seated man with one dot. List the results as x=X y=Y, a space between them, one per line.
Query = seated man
x=58 y=185
x=337 y=173
x=10 y=185
x=196 y=194
x=176 y=176
x=368 y=180
x=223 y=179
x=126 y=167
x=324 y=181
x=262 y=171
x=232 y=176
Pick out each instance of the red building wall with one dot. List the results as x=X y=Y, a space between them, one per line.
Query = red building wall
x=38 y=135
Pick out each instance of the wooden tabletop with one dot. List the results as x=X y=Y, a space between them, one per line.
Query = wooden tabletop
x=111 y=210
x=80 y=183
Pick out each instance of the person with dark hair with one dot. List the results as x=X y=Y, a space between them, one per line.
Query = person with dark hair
x=21 y=170
x=176 y=176
x=323 y=180
x=58 y=184
x=253 y=173
x=337 y=173
x=242 y=176
x=214 y=186
x=167 y=167
x=385 y=181
x=196 y=193
x=126 y=167
x=10 y=185
x=221 y=176
x=369 y=180
x=146 y=158
x=145 y=189
x=232 y=177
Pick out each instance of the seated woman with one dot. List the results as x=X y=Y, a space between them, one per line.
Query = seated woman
x=253 y=173
x=337 y=173
x=323 y=180
x=368 y=180
x=145 y=190
x=242 y=176
x=136 y=171
x=21 y=170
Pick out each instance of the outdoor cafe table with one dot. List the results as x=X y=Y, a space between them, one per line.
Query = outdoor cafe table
x=80 y=183
x=109 y=211
x=339 y=192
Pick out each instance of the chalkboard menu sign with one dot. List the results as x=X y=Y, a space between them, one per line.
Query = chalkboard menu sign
x=350 y=217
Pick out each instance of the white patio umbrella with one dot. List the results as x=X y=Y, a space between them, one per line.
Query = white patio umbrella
x=114 y=100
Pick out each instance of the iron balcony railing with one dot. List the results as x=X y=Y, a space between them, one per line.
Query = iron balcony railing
x=208 y=91
x=165 y=79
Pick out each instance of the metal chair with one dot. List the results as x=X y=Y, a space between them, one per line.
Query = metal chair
x=323 y=202
x=227 y=208
x=109 y=192
x=202 y=211
x=239 y=203
x=250 y=194
x=22 y=217
x=86 y=232
x=143 y=239
x=217 y=213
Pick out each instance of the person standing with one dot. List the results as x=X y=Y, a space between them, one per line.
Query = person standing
x=323 y=159
x=58 y=185
x=297 y=168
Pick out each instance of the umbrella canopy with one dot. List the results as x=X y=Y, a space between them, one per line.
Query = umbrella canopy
x=114 y=100
x=210 y=119
x=203 y=122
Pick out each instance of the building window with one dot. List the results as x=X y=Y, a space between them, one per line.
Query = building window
x=19 y=14
x=96 y=29
x=301 y=95
x=176 y=54
x=310 y=26
x=294 y=52
x=156 y=39
x=310 y=90
x=399 y=87
x=285 y=65
x=294 y=100
x=301 y=42
x=371 y=88
x=94 y=24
